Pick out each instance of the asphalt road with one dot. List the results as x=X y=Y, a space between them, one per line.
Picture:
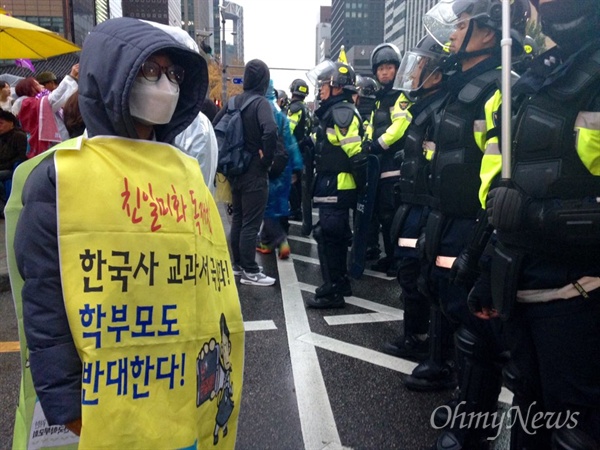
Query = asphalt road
x=312 y=379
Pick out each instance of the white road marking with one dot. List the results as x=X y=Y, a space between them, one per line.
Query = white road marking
x=379 y=359
x=352 y=319
x=358 y=352
x=315 y=261
x=302 y=239
x=362 y=303
x=259 y=325
x=316 y=416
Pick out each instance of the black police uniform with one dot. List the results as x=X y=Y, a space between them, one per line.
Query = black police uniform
x=414 y=200
x=555 y=335
x=332 y=232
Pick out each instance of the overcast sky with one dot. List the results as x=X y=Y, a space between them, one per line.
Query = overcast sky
x=282 y=34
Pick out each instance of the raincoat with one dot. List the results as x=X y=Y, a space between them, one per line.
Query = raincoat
x=279 y=188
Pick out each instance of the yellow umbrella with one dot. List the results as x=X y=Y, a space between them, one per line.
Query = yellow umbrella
x=20 y=39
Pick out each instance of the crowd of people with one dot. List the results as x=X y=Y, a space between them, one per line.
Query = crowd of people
x=498 y=273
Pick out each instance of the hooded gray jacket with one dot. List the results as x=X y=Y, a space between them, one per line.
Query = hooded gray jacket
x=110 y=61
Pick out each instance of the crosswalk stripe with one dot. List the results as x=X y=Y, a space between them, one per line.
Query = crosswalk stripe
x=9 y=347
x=315 y=261
x=352 y=319
x=358 y=352
x=259 y=325
x=317 y=422
x=362 y=303
x=304 y=239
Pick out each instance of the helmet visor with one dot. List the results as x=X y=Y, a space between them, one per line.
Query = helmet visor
x=320 y=72
x=445 y=17
x=413 y=72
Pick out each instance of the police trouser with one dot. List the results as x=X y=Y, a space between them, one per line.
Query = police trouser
x=416 y=305
x=385 y=209
x=335 y=232
x=555 y=369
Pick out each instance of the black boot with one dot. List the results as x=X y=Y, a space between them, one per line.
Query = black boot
x=432 y=376
x=342 y=286
x=409 y=347
x=335 y=300
x=383 y=264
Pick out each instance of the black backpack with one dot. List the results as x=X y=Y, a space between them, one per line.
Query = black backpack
x=234 y=159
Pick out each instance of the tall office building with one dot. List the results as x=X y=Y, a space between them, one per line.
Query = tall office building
x=404 y=22
x=356 y=22
x=323 y=35
x=234 y=26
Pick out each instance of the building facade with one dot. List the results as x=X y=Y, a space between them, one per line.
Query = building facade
x=356 y=22
x=404 y=22
x=74 y=19
x=323 y=35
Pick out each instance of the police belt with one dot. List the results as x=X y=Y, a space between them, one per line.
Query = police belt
x=578 y=288
x=407 y=242
x=445 y=261
x=389 y=174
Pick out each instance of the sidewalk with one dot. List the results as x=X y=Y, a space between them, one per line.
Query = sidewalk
x=4 y=281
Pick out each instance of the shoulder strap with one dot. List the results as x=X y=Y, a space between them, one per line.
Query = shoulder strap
x=582 y=76
x=428 y=111
x=479 y=85
x=248 y=101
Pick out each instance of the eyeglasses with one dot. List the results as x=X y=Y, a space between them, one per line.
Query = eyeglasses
x=153 y=71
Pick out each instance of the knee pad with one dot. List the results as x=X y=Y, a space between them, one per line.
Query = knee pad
x=471 y=345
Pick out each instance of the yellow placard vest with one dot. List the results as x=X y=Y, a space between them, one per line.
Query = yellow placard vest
x=150 y=296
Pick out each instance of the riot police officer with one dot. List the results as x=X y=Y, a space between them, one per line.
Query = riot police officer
x=466 y=128
x=364 y=99
x=545 y=270
x=384 y=138
x=301 y=125
x=282 y=100
x=339 y=137
x=421 y=77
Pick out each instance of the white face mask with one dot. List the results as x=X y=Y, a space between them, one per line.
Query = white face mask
x=153 y=102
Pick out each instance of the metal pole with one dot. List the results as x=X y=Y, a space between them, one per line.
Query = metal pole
x=506 y=135
x=224 y=62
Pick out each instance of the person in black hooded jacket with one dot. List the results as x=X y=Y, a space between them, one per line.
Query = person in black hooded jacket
x=115 y=106
x=250 y=190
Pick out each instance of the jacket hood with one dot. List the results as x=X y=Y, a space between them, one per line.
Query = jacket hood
x=111 y=58
x=270 y=94
x=256 y=77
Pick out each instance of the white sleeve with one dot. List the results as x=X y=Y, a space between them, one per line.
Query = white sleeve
x=59 y=96
x=199 y=141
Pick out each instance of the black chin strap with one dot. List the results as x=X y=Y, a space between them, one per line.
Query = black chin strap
x=463 y=54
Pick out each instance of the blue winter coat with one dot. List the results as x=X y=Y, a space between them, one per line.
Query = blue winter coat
x=279 y=188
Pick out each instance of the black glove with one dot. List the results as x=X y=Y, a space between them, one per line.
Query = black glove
x=366 y=146
x=506 y=208
x=464 y=271
x=376 y=149
x=479 y=300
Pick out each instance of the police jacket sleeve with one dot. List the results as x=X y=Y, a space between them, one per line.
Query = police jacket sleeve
x=54 y=362
x=401 y=119
x=268 y=129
